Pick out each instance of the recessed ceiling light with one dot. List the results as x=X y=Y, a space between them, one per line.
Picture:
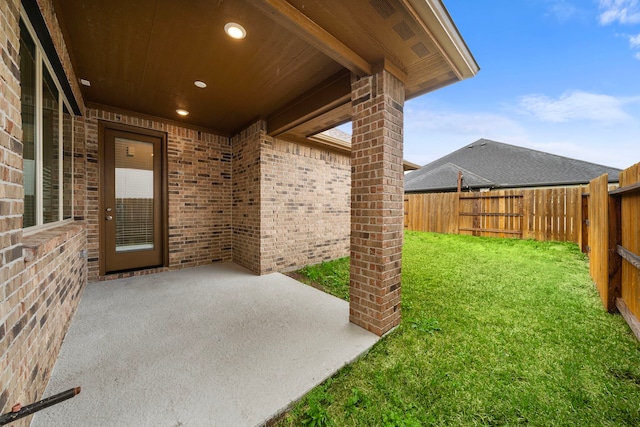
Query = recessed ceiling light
x=200 y=84
x=235 y=31
x=85 y=82
x=182 y=112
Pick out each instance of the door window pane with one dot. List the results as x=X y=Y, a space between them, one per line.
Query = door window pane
x=50 y=150
x=134 y=195
x=28 y=99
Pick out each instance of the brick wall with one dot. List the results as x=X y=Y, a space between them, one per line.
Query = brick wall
x=80 y=170
x=41 y=274
x=305 y=205
x=290 y=203
x=40 y=304
x=199 y=191
x=11 y=198
x=376 y=201
x=246 y=196
x=304 y=193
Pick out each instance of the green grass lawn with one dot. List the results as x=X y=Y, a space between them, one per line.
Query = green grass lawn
x=495 y=332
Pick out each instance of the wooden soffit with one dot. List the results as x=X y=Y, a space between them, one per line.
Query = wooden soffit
x=293 y=67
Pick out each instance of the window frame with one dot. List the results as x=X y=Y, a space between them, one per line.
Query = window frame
x=42 y=62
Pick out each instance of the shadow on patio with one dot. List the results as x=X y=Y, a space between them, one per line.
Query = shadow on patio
x=211 y=345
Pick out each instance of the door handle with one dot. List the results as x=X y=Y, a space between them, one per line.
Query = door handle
x=109 y=218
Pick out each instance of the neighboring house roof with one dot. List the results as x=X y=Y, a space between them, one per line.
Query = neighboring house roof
x=491 y=164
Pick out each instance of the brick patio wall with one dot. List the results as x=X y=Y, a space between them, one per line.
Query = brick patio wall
x=199 y=191
x=376 y=201
x=42 y=273
x=290 y=203
x=246 y=196
x=11 y=203
x=305 y=205
x=215 y=191
x=40 y=309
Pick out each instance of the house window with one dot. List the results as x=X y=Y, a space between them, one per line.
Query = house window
x=47 y=126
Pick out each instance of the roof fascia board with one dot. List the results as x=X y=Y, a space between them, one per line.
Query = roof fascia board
x=410 y=166
x=331 y=142
x=345 y=147
x=434 y=19
x=301 y=25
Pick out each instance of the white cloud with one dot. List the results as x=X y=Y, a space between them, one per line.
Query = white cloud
x=431 y=132
x=623 y=11
x=475 y=123
x=635 y=41
x=563 y=10
x=577 y=105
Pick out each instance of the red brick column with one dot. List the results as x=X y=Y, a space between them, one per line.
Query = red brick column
x=377 y=189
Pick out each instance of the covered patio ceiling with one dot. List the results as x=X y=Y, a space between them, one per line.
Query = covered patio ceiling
x=293 y=67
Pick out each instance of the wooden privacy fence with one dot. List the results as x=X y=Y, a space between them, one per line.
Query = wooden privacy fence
x=604 y=221
x=614 y=244
x=541 y=214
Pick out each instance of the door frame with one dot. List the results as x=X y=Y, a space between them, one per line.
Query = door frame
x=164 y=193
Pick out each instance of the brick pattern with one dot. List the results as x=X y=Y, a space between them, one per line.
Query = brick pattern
x=199 y=191
x=290 y=203
x=199 y=198
x=80 y=170
x=247 y=197
x=376 y=201
x=305 y=205
x=41 y=274
x=11 y=190
x=39 y=303
x=11 y=199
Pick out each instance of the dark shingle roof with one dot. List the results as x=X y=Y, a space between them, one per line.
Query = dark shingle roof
x=491 y=164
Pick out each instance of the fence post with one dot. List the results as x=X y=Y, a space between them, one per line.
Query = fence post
x=599 y=239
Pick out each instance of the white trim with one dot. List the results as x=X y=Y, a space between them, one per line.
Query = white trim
x=73 y=159
x=437 y=22
x=25 y=18
x=37 y=143
x=42 y=63
x=37 y=228
x=453 y=35
x=61 y=157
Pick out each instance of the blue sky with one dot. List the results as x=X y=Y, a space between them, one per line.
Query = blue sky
x=561 y=76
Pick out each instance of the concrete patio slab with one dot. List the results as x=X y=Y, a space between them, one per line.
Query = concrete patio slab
x=208 y=346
